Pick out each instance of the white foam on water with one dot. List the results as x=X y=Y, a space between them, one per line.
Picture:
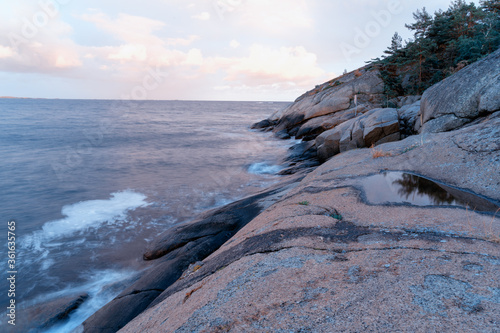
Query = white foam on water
x=100 y=291
x=263 y=168
x=83 y=216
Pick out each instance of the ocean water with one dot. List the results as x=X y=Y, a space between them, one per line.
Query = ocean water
x=89 y=183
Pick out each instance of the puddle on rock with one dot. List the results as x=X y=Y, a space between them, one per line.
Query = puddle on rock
x=401 y=187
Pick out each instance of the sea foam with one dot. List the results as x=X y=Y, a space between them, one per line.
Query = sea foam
x=85 y=215
x=263 y=168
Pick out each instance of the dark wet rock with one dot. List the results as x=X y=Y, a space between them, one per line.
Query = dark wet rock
x=263 y=124
x=44 y=315
x=283 y=134
x=215 y=222
x=135 y=299
x=471 y=93
x=408 y=115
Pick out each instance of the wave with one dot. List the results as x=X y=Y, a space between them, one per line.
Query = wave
x=102 y=287
x=263 y=168
x=83 y=216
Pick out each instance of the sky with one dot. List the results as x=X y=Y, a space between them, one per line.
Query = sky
x=241 y=50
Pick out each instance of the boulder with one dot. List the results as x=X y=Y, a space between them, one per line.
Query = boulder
x=372 y=128
x=362 y=88
x=262 y=124
x=469 y=94
x=378 y=125
x=313 y=127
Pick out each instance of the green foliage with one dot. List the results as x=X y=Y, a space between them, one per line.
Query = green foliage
x=442 y=44
x=336 y=216
x=304 y=203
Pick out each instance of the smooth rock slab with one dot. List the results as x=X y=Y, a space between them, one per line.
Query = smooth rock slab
x=472 y=92
x=320 y=291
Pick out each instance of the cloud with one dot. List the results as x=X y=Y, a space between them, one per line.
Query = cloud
x=234 y=44
x=182 y=41
x=135 y=52
x=275 y=17
x=128 y=28
x=6 y=52
x=47 y=48
x=193 y=58
x=205 y=16
x=141 y=46
x=265 y=65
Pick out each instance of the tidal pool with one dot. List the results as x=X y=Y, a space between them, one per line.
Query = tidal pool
x=400 y=187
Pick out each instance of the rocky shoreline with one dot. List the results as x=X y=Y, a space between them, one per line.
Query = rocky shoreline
x=312 y=253
x=323 y=258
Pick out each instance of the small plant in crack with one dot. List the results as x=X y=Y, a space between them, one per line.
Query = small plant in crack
x=376 y=153
x=492 y=236
x=304 y=203
x=336 y=215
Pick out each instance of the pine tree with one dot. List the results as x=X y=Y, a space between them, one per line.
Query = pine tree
x=491 y=6
x=396 y=45
x=420 y=47
x=442 y=44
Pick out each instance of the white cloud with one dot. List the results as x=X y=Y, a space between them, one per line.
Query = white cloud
x=47 y=48
x=6 y=52
x=234 y=44
x=265 y=64
x=205 y=16
x=128 y=28
x=182 y=41
x=193 y=58
x=135 y=52
x=66 y=61
x=275 y=17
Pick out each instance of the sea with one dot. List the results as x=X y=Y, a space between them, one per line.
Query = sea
x=88 y=184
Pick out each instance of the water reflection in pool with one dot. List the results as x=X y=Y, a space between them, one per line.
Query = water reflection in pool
x=400 y=187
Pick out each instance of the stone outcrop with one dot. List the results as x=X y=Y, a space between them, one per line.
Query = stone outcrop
x=324 y=259
x=372 y=128
x=459 y=99
x=329 y=104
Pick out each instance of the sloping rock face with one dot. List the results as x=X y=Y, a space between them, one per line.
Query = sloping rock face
x=372 y=128
x=173 y=252
x=324 y=259
x=471 y=93
x=329 y=104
